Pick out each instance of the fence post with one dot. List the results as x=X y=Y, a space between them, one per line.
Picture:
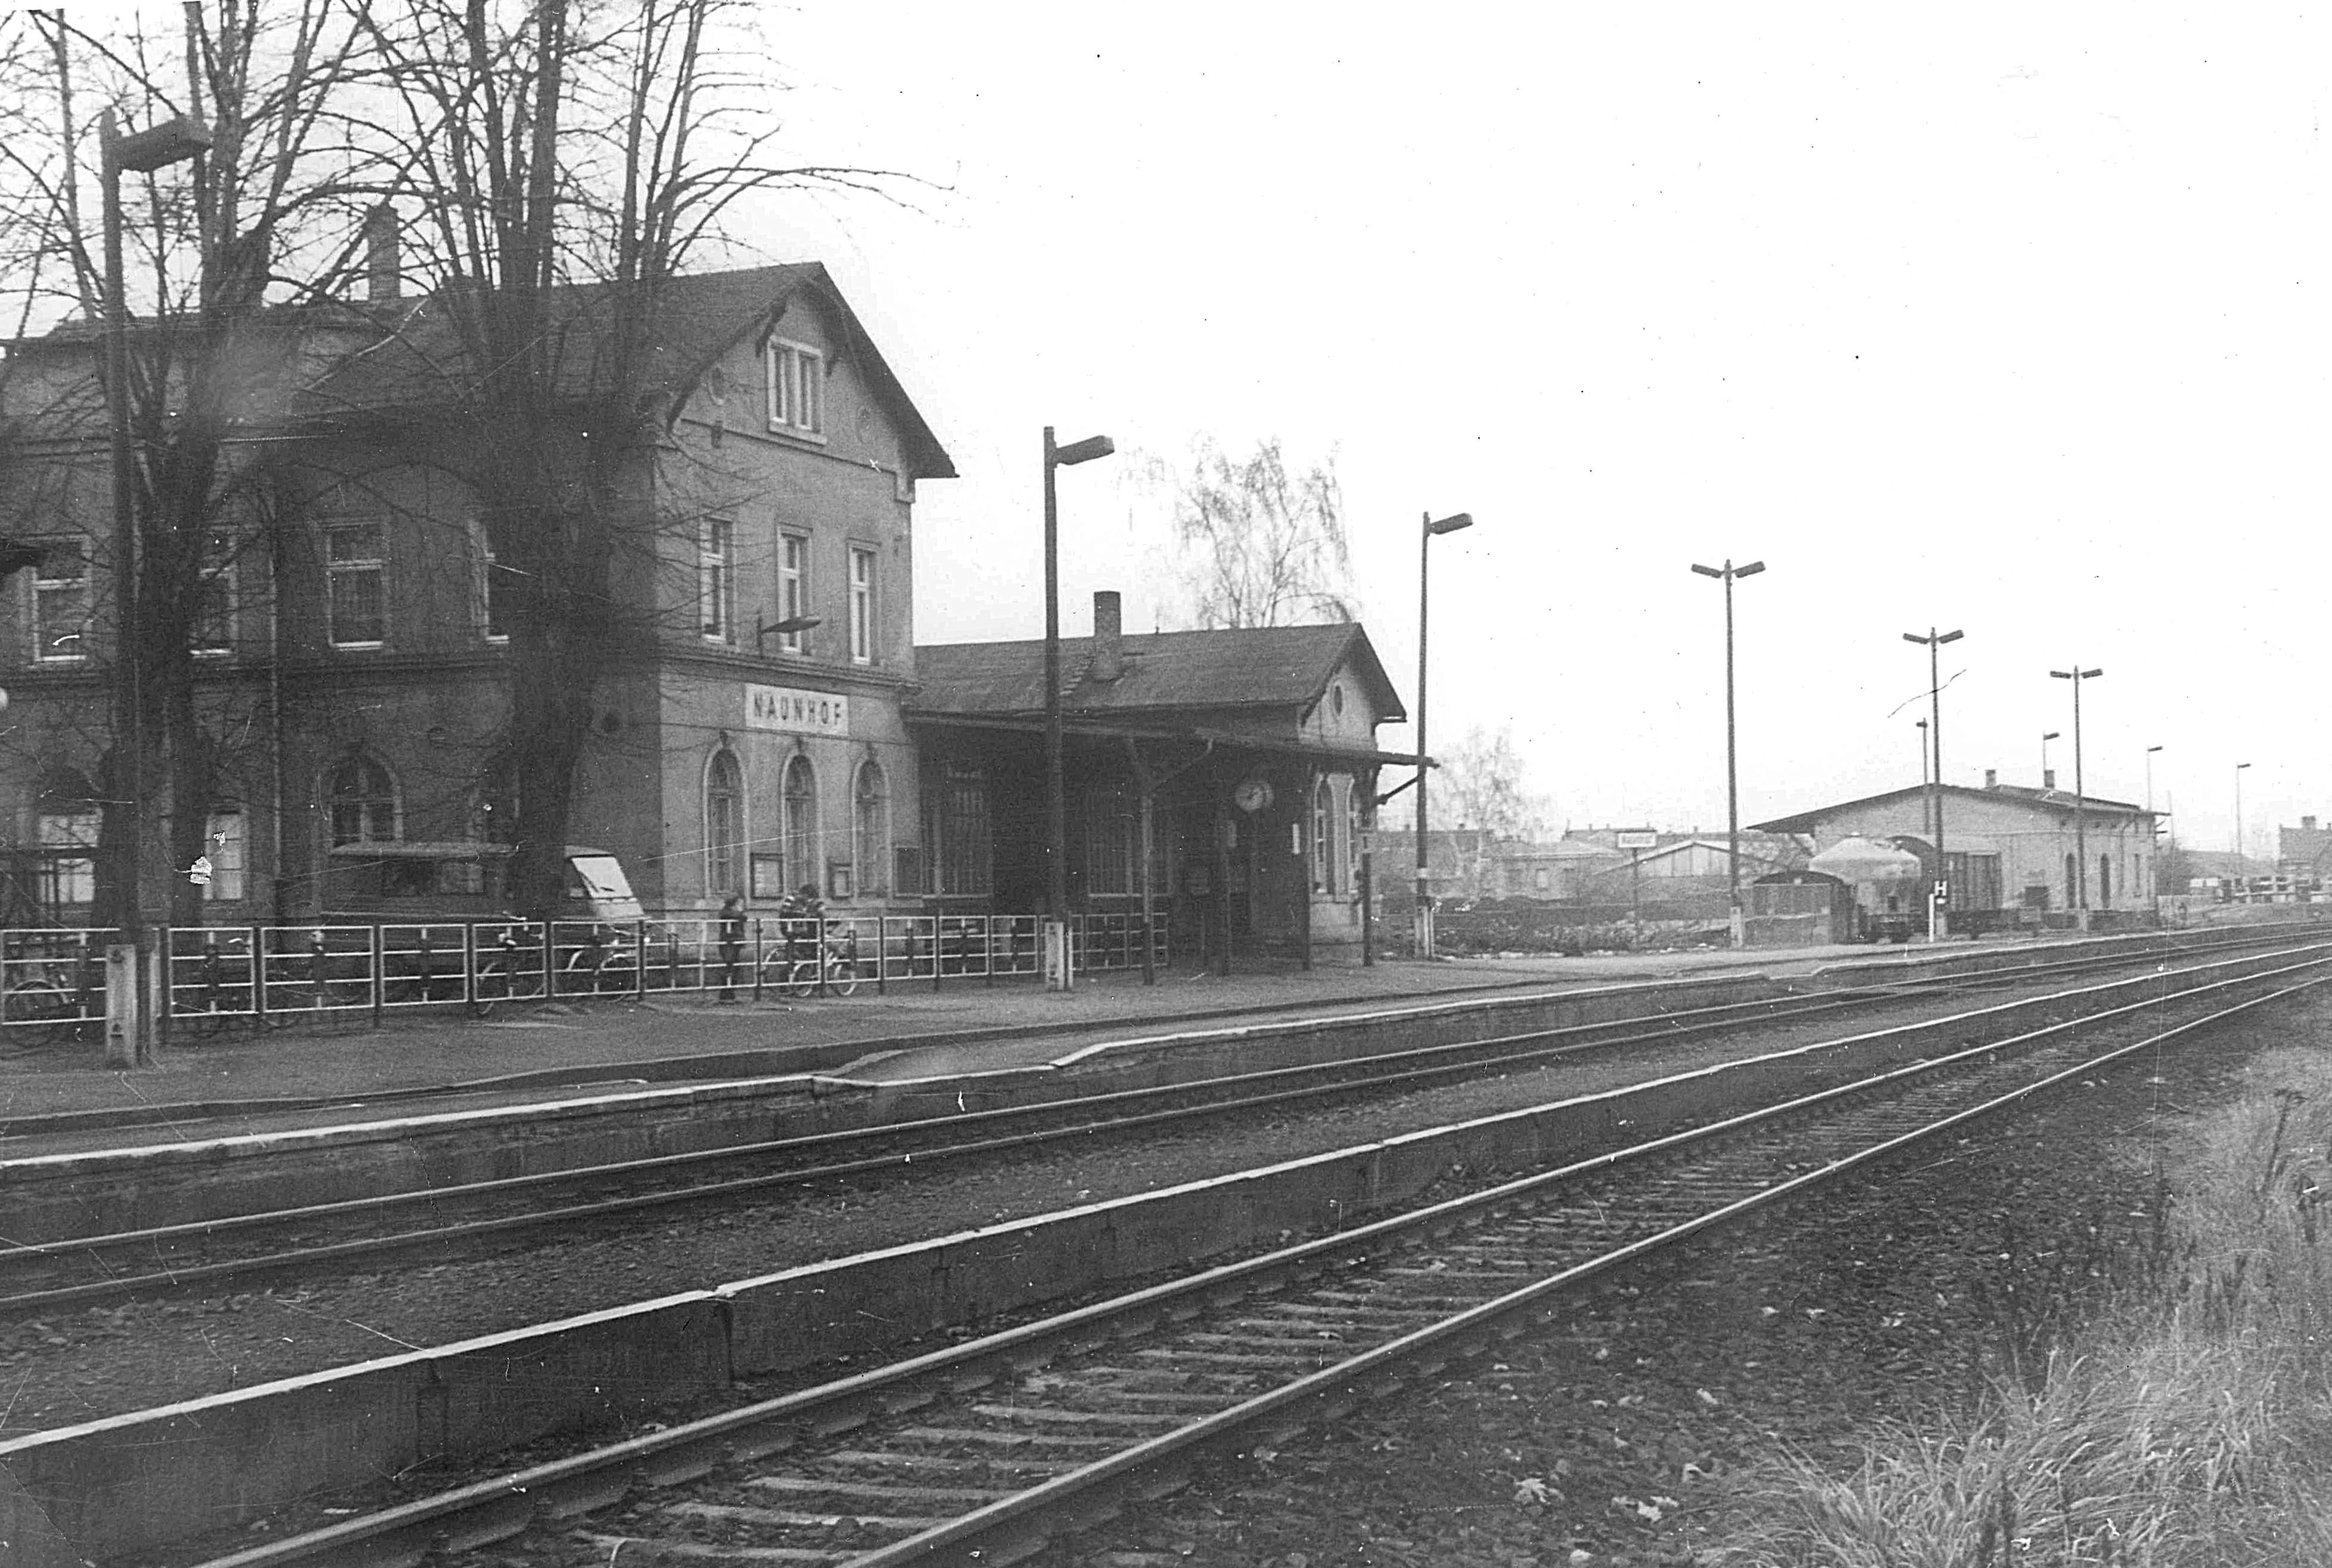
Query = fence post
x=758 y=956
x=469 y=964
x=378 y=952
x=882 y=952
x=640 y=959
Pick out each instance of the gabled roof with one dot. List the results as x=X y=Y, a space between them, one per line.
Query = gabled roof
x=1241 y=668
x=698 y=317
x=2058 y=802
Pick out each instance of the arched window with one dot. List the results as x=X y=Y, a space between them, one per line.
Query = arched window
x=65 y=827
x=1324 y=838
x=1352 y=828
x=724 y=825
x=361 y=797
x=799 y=844
x=870 y=829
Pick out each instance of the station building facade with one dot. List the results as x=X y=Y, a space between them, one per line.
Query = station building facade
x=767 y=721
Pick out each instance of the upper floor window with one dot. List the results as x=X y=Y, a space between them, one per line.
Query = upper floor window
x=862 y=606
x=797 y=388
x=356 y=596
x=362 y=799
x=793 y=587
x=716 y=579
x=213 y=619
x=61 y=602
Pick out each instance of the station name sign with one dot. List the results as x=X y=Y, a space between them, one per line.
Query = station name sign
x=801 y=713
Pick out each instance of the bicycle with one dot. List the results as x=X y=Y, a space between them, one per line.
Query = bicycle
x=502 y=978
x=833 y=969
x=42 y=1010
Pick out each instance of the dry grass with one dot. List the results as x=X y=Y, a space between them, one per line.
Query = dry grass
x=2186 y=1420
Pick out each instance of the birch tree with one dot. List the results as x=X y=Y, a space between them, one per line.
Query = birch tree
x=1261 y=546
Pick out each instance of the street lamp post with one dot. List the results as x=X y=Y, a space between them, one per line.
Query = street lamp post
x=1057 y=832
x=1727 y=573
x=2047 y=736
x=1433 y=526
x=2080 y=800
x=2238 y=869
x=2153 y=839
x=130 y=1004
x=1939 y=895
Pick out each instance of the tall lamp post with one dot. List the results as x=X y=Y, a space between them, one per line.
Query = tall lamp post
x=1057 y=832
x=1727 y=573
x=2047 y=736
x=1939 y=897
x=1433 y=525
x=2240 y=869
x=132 y=1009
x=2153 y=839
x=2081 y=803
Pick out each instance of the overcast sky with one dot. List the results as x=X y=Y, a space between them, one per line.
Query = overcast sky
x=2012 y=320
x=2003 y=317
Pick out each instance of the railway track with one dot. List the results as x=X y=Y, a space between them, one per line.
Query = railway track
x=984 y=1452
x=241 y=1251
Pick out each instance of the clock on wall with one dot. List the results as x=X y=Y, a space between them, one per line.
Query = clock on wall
x=1252 y=796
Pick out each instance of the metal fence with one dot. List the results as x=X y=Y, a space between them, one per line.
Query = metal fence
x=52 y=979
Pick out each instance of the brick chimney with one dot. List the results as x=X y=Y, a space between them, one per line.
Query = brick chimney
x=2307 y=825
x=1992 y=777
x=384 y=267
x=2048 y=778
x=1108 y=660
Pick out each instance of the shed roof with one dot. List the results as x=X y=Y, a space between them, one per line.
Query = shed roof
x=2056 y=803
x=1236 y=667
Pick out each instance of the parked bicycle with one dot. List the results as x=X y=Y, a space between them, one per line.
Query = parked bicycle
x=819 y=964
x=509 y=971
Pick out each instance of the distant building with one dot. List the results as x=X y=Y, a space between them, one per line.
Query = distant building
x=2009 y=846
x=2305 y=852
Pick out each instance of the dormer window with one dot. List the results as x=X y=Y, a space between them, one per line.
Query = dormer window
x=797 y=390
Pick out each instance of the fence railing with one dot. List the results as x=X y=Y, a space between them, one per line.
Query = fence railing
x=53 y=978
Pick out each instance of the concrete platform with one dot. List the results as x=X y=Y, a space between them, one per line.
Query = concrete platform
x=61 y=1098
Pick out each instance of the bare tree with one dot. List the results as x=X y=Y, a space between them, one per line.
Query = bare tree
x=211 y=358
x=1483 y=785
x=1262 y=547
x=567 y=163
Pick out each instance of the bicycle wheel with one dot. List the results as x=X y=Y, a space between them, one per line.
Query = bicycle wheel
x=801 y=981
x=491 y=985
x=38 y=1013
x=841 y=976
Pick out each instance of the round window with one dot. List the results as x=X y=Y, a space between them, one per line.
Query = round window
x=716 y=383
x=1336 y=701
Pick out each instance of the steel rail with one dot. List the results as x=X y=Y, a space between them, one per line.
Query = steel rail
x=550 y=1493
x=1375 y=1073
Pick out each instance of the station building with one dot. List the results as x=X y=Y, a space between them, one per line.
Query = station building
x=2008 y=848
x=767 y=720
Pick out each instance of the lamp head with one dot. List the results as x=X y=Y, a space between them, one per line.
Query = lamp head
x=1706 y=570
x=1449 y=524
x=1085 y=451
x=1752 y=569
x=174 y=140
x=1951 y=637
x=2050 y=735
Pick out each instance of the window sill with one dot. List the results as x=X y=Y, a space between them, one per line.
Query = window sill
x=796 y=433
x=340 y=648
